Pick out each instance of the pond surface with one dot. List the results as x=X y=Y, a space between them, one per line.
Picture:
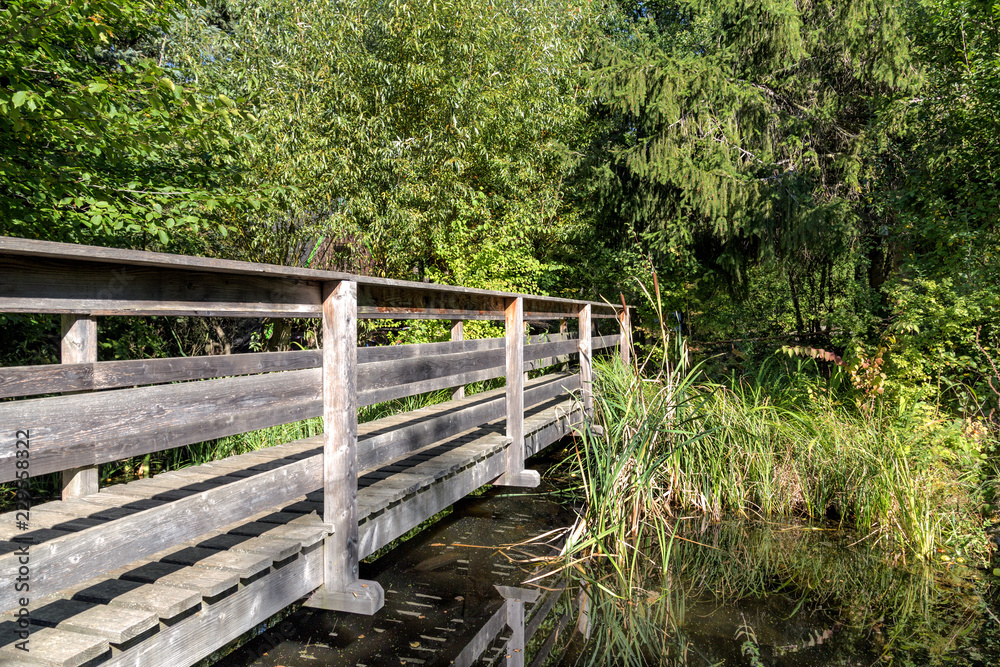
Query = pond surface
x=735 y=593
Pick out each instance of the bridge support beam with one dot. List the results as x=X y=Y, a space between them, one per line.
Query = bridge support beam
x=342 y=590
x=516 y=475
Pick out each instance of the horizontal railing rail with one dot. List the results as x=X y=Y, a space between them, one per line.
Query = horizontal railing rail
x=83 y=412
x=46 y=277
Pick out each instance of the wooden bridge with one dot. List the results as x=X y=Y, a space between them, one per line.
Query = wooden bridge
x=165 y=570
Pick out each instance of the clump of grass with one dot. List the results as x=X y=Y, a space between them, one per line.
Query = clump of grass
x=679 y=442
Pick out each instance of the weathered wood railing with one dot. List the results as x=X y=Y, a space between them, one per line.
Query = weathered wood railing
x=108 y=411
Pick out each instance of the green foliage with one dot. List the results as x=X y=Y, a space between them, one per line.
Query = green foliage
x=99 y=140
x=737 y=128
x=420 y=138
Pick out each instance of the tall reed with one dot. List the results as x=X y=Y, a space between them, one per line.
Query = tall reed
x=679 y=442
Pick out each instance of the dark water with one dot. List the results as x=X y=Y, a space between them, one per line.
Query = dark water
x=735 y=593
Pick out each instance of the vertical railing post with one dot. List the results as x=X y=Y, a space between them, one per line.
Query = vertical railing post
x=625 y=338
x=527 y=337
x=515 y=621
x=516 y=475
x=585 y=346
x=79 y=345
x=457 y=334
x=342 y=590
x=564 y=332
x=515 y=599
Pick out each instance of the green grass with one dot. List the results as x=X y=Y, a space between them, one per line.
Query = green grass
x=764 y=447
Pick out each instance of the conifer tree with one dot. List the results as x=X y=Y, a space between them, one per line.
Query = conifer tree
x=735 y=131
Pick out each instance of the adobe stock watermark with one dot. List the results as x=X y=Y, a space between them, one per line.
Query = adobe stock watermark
x=22 y=518
x=116 y=285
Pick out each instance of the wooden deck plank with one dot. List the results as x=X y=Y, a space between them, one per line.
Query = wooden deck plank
x=167 y=602
x=75 y=557
x=208 y=583
x=116 y=624
x=51 y=647
x=244 y=564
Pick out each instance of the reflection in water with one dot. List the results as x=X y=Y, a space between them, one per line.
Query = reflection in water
x=735 y=593
x=792 y=594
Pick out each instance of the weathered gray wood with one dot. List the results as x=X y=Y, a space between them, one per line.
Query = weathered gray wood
x=373 y=396
x=116 y=624
x=625 y=336
x=42 y=519
x=550 y=349
x=384 y=380
x=529 y=595
x=60 y=378
x=372 y=291
x=305 y=535
x=601 y=342
x=559 y=427
x=458 y=334
x=586 y=360
x=93 y=288
x=564 y=332
x=167 y=602
x=367 y=355
x=340 y=433
x=515 y=474
x=129 y=422
x=342 y=590
x=191 y=639
x=276 y=549
x=416 y=429
x=88 y=288
x=208 y=583
x=244 y=564
x=515 y=621
x=361 y=597
x=395 y=521
x=79 y=345
x=51 y=647
x=76 y=557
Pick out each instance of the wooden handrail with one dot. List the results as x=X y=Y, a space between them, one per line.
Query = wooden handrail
x=90 y=280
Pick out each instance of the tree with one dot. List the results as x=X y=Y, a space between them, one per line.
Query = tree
x=99 y=141
x=423 y=139
x=735 y=137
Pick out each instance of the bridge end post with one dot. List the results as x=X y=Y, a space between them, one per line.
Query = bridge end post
x=625 y=340
x=342 y=590
x=515 y=474
x=586 y=361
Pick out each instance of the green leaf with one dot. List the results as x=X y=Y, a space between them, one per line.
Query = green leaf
x=18 y=98
x=97 y=87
